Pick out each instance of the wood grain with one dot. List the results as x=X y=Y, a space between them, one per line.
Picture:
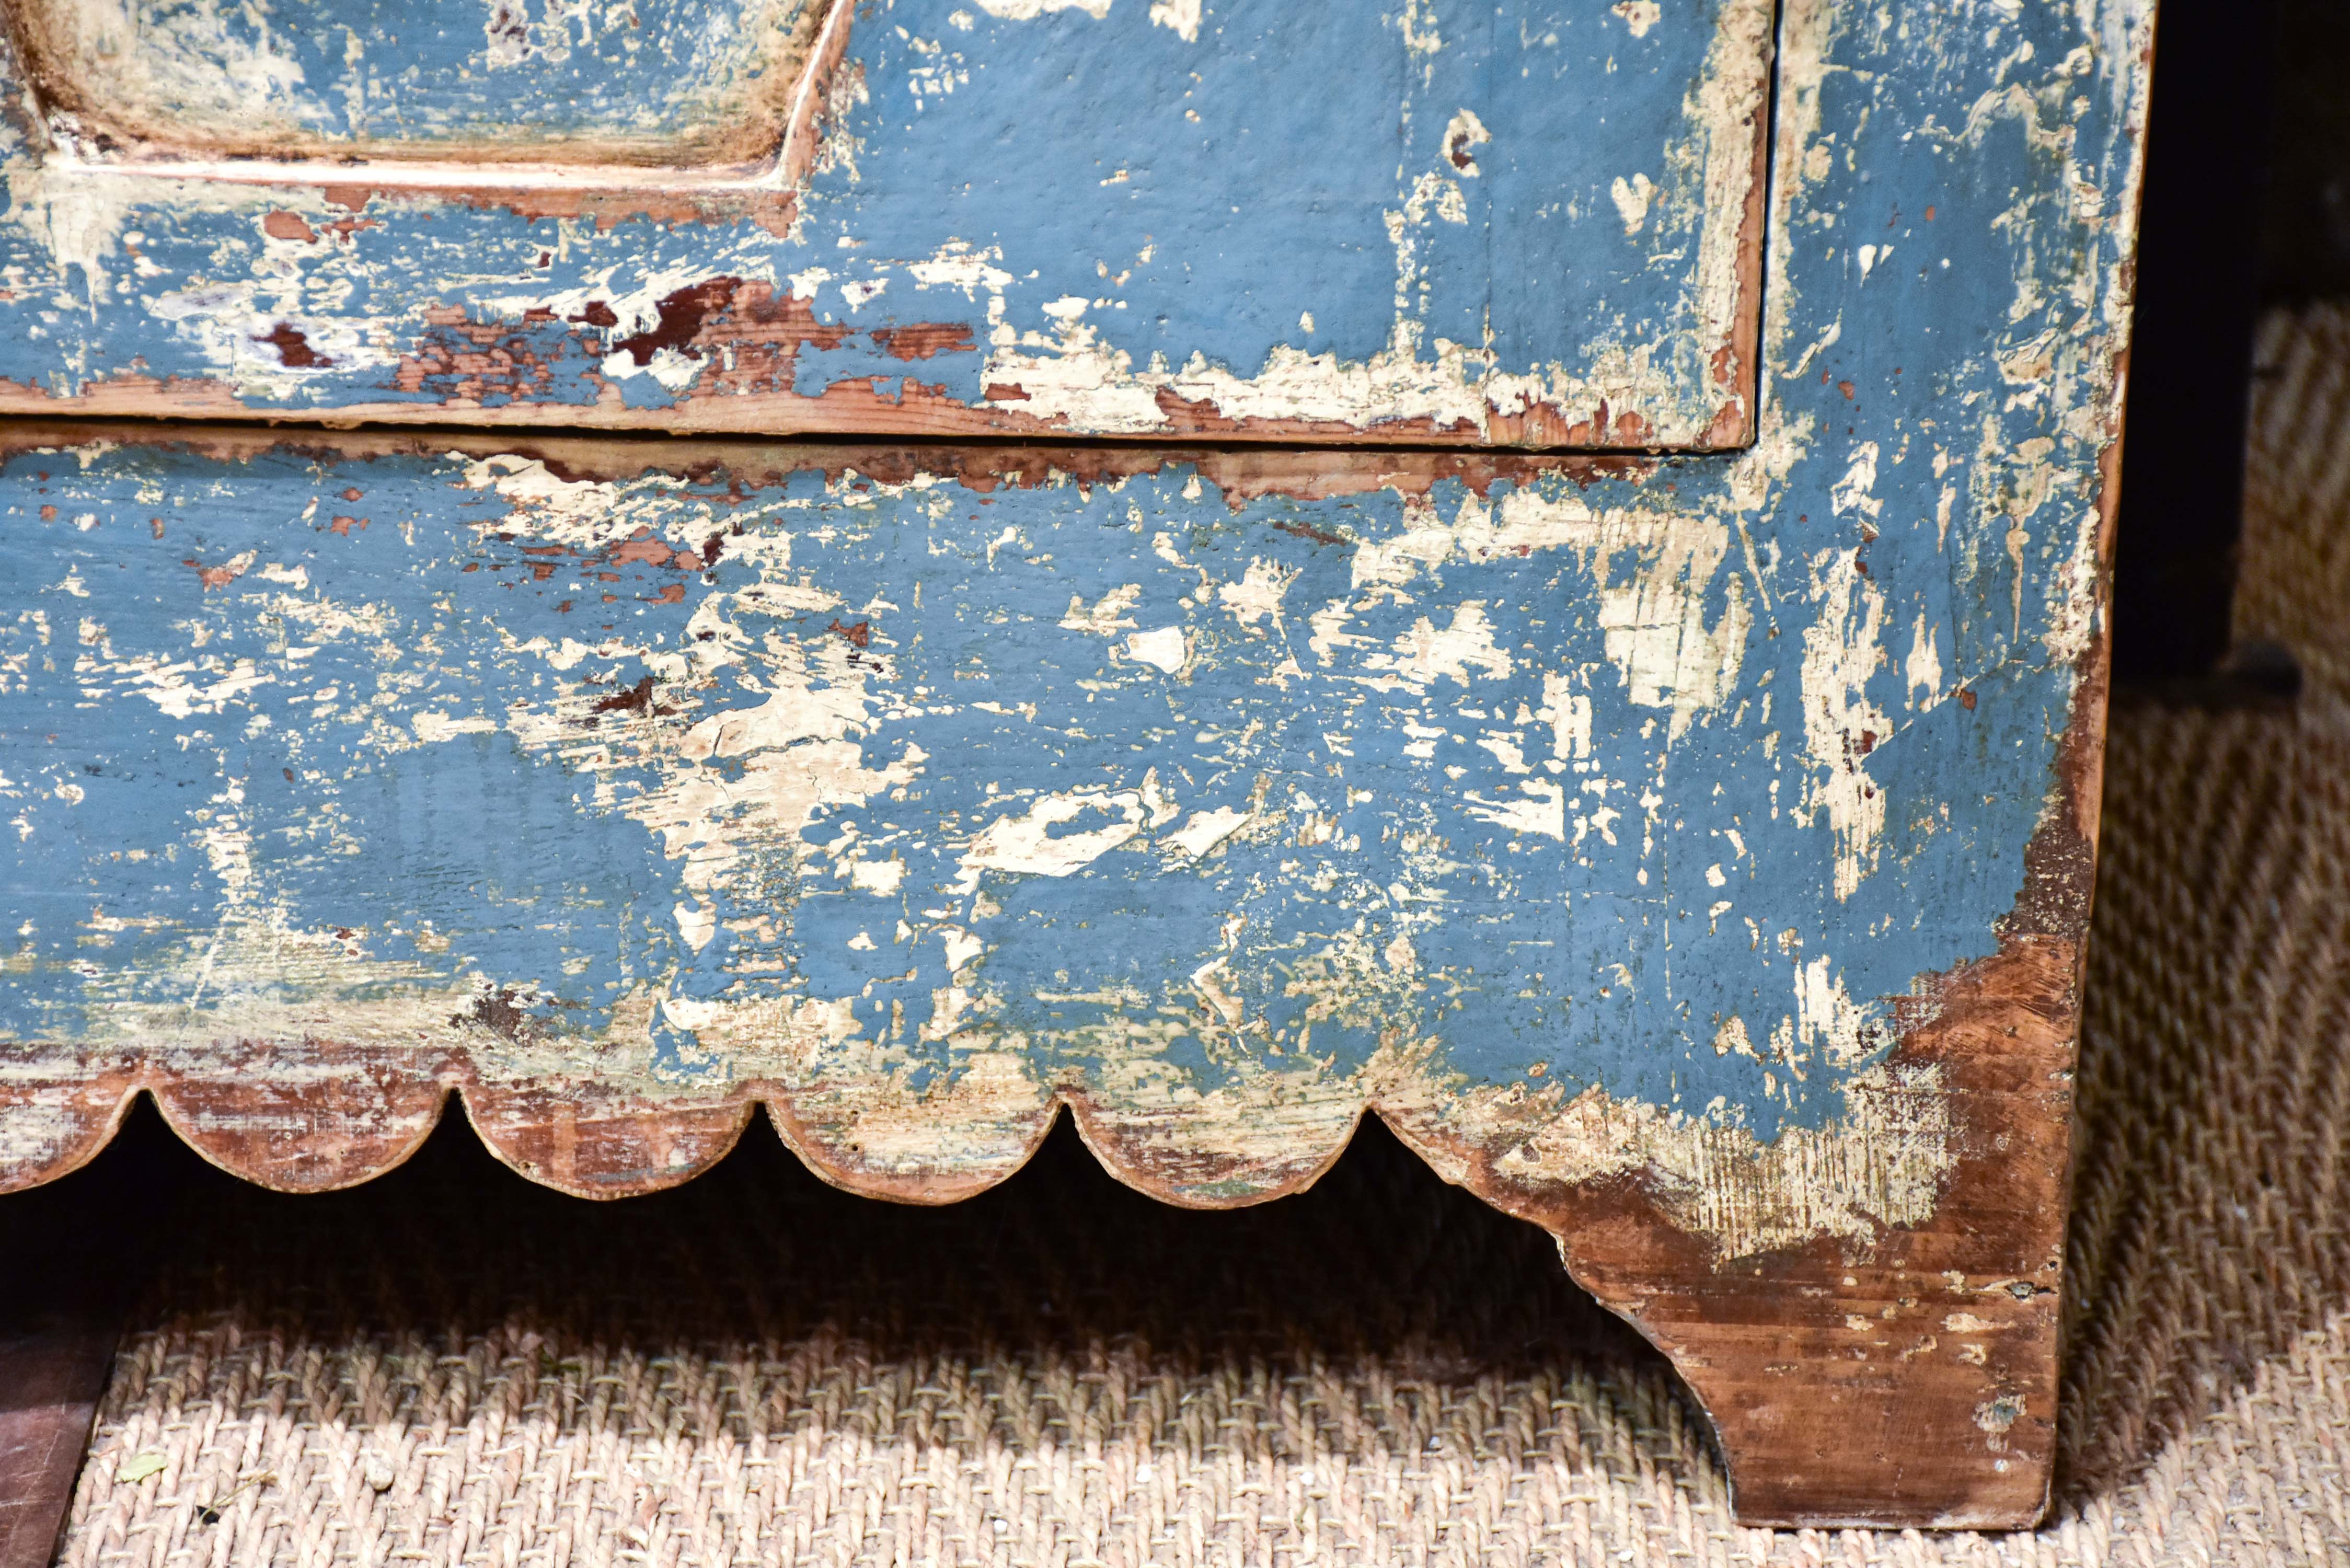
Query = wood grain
x=50 y=1382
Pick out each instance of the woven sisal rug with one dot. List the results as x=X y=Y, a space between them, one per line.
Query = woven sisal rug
x=450 y=1367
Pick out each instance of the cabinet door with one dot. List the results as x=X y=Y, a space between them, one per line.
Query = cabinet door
x=1531 y=223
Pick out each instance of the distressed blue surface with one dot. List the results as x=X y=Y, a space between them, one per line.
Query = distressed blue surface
x=1883 y=605
x=1195 y=201
x=1593 y=958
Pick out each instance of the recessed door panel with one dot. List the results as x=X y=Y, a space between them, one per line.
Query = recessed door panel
x=644 y=81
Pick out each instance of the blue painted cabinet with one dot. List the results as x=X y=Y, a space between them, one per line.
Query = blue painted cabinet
x=1595 y=657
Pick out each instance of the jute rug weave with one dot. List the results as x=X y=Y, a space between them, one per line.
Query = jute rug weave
x=452 y=1367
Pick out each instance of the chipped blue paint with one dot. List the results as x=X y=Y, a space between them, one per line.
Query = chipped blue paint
x=1089 y=210
x=1181 y=788
x=1411 y=763
x=1552 y=917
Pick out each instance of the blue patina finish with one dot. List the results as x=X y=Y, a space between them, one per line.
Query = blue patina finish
x=1067 y=762
x=1682 y=838
x=1079 y=218
x=1183 y=786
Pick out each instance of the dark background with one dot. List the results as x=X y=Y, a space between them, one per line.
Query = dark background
x=2246 y=204
x=2305 y=227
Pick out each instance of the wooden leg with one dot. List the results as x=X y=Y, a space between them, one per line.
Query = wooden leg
x=1905 y=1376
x=1896 y=1394
x=50 y=1382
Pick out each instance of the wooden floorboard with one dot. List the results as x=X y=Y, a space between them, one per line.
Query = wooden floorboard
x=51 y=1379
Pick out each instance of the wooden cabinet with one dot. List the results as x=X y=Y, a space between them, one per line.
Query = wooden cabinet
x=1546 y=588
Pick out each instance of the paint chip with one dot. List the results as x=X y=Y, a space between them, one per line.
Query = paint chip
x=1465 y=131
x=1632 y=197
x=1639 y=15
x=1181 y=16
x=1206 y=829
x=1164 y=647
